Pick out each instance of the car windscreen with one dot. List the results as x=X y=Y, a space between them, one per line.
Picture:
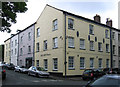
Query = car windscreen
x=40 y=69
x=105 y=81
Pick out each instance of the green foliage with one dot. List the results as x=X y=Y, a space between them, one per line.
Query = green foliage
x=9 y=10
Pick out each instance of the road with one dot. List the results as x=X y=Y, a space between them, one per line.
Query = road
x=20 y=79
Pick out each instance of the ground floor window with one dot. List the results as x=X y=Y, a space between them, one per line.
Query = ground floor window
x=100 y=63
x=71 y=62
x=37 y=62
x=45 y=64
x=91 y=62
x=82 y=62
x=107 y=63
x=55 y=64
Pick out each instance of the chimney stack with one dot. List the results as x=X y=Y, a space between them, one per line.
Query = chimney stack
x=97 y=18
x=109 y=22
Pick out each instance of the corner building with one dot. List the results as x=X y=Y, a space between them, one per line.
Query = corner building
x=67 y=44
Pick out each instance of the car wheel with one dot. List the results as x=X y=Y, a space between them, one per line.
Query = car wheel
x=28 y=73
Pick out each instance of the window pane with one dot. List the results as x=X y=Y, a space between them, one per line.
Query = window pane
x=82 y=61
x=71 y=62
x=70 y=42
x=70 y=23
x=55 y=65
x=82 y=44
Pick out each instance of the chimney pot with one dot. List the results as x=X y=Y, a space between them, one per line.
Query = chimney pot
x=109 y=22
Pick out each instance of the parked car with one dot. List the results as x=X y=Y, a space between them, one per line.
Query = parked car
x=10 y=66
x=112 y=70
x=37 y=71
x=100 y=72
x=90 y=74
x=109 y=80
x=24 y=70
x=106 y=70
x=2 y=72
x=17 y=69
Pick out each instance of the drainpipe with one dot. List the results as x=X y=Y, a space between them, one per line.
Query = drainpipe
x=65 y=49
x=33 y=59
x=111 y=51
x=18 y=51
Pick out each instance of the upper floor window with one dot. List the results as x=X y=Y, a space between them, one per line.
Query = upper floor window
x=70 y=23
x=55 y=24
x=113 y=49
x=21 y=51
x=11 y=52
x=71 y=42
x=119 y=37
x=6 y=46
x=55 y=42
x=91 y=29
x=29 y=49
x=29 y=36
x=15 y=51
x=45 y=45
x=15 y=42
x=37 y=47
x=119 y=51
x=21 y=39
x=91 y=45
x=106 y=34
x=82 y=44
x=38 y=32
x=113 y=35
x=99 y=46
x=107 y=47
x=37 y=62
x=12 y=43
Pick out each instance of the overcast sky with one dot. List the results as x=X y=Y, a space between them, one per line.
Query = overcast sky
x=85 y=8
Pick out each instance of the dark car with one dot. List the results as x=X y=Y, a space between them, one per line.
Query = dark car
x=2 y=72
x=106 y=70
x=10 y=66
x=90 y=74
x=109 y=80
x=100 y=72
x=112 y=70
x=37 y=71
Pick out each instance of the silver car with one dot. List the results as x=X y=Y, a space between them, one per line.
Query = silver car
x=38 y=71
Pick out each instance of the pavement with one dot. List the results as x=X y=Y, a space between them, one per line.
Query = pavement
x=66 y=78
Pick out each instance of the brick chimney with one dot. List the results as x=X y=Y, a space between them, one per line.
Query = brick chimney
x=97 y=18
x=109 y=22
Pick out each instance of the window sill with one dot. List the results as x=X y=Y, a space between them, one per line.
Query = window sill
x=107 y=52
x=82 y=49
x=82 y=68
x=55 y=47
x=71 y=68
x=100 y=51
x=92 y=50
x=54 y=29
x=72 y=47
x=71 y=28
x=91 y=34
x=55 y=69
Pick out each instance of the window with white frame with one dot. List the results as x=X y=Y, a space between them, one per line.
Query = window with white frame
x=55 y=64
x=12 y=43
x=29 y=36
x=114 y=63
x=107 y=63
x=71 y=62
x=71 y=42
x=38 y=32
x=55 y=42
x=100 y=63
x=107 y=47
x=12 y=52
x=106 y=34
x=29 y=49
x=6 y=46
x=9 y=53
x=45 y=45
x=37 y=47
x=82 y=44
x=21 y=51
x=91 y=62
x=99 y=46
x=21 y=39
x=55 y=24
x=70 y=23
x=15 y=42
x=82 y=62
x=119 y=37
x=91 y=45
x=37 y=62
x=6 y=53
x=15 y=51
x=91 y=29
x=113 y=35
x=45 y=64
x=114 y=49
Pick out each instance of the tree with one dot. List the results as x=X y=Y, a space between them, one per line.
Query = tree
x=9 y=14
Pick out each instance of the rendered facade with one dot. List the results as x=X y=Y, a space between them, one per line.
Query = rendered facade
x=1 y=53
x=26 y=44
x=69 y=43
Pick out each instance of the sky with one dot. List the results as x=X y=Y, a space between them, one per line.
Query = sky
x=85 y=8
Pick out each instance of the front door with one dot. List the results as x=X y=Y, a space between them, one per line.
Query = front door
x=28 y=62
